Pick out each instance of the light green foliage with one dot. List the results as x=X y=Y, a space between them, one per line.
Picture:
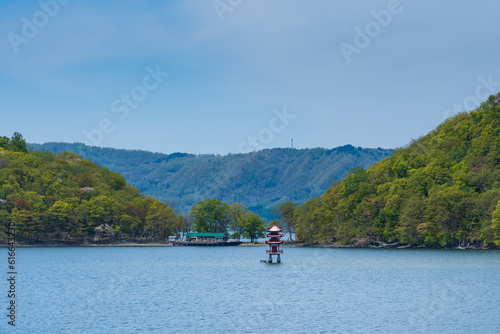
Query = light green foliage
x=214 y=216
x=62 y=198
x=495 y=226
x=353 y=180
x=254 y=227
x=16 y=143
x=286 y=215
x=238 y=214
x=441 y=190
x=160 y=220
x=211 y=216
x=116 y=181
x=307 y=219
x=4 y=142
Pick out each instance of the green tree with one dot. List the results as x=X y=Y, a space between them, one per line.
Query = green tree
x=307 y=226
x=184 y=225
x=60 y=213
x=495 y=226
x=286 y=215
x=238 y=214
x=411 y=217
x=160 y=221
x=352 y=181
x=211 y=216
x=17 y=143
x=25 y=224
x=254 y=227
x=4 y=142
x=117 y=181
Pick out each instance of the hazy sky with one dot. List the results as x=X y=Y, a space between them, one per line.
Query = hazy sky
x=234 y=75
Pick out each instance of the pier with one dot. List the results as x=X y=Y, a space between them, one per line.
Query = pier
x=206 y=243
x=206 y=239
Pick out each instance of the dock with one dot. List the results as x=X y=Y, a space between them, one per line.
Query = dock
x=206 y=243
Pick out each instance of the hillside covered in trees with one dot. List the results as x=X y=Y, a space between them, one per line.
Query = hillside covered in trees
x=63 y=198
x=259 y=180
x=442 y=190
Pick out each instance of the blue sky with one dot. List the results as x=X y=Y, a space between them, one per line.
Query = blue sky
x=242 y=74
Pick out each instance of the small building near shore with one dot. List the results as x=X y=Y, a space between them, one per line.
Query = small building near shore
x=207 y=237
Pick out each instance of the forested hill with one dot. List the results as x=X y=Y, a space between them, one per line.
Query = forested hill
x=259 y=180
x=442 y=190
x=62 y=199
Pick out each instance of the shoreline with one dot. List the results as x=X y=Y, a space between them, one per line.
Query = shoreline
x=155 y=244
x=291 y=245
x=387 y=246
x=132 y=244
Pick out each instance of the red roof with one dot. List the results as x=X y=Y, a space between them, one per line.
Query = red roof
x=274 y=228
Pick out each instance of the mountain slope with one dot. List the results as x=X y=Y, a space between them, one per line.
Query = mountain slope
x=259 y=180
x=442 y=190
x=54 y=199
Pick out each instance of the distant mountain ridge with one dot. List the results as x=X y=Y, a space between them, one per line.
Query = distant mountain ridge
x=259 y=180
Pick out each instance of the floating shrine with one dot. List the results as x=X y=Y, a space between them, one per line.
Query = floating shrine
x=274 y=242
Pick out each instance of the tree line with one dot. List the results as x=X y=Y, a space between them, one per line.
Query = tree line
x=56 y=198
x=214 y=216
x=260 y=180
x=442 y=190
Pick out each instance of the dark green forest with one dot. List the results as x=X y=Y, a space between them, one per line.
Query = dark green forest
x=259 y=180
x=441 y=190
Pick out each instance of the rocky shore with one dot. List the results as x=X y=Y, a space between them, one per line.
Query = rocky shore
x=381 y=245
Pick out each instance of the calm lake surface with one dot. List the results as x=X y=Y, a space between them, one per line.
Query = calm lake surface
x=227 y=290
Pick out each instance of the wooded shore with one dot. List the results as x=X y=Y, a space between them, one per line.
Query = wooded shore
x=286 y=244
x=131 y=244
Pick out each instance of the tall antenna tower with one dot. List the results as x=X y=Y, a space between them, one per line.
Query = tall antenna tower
x=292 y=143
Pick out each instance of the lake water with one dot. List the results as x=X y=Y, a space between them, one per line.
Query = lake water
x=227 y=290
